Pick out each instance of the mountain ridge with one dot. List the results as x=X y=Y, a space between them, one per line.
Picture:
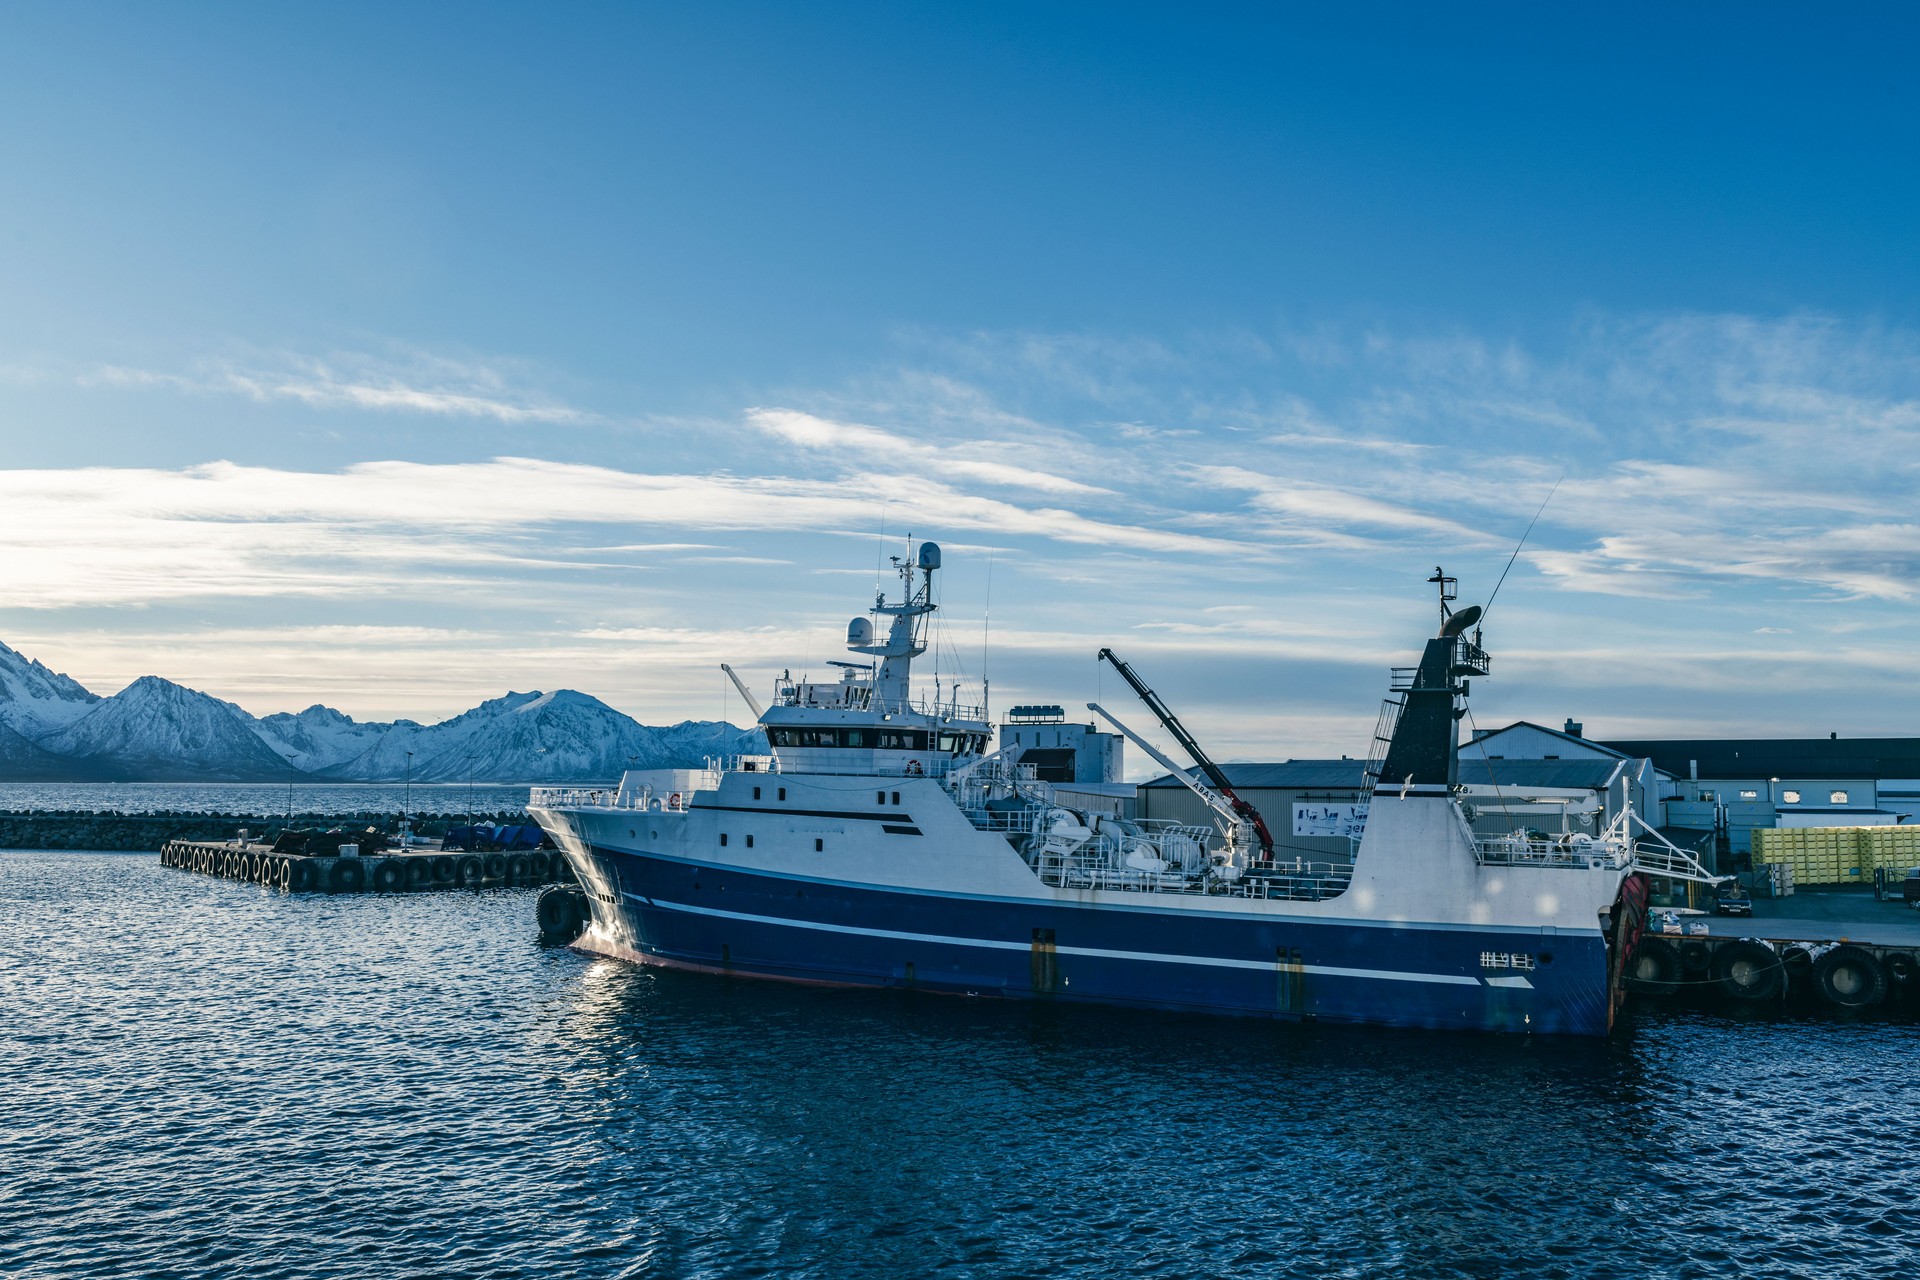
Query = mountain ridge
x=54 y=729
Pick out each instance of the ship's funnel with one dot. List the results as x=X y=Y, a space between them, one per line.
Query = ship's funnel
x=1459 y=622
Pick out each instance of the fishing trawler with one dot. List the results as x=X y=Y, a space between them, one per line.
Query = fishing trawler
x=881 y=843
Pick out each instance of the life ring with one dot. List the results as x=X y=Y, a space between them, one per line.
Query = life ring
x=1749 y=970
x=913 y=768
x=673 y=801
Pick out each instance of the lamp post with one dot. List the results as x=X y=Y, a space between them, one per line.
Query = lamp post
x=406 y=818
x=469 y=788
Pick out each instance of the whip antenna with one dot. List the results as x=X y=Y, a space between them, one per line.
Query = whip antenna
x=1488 y=606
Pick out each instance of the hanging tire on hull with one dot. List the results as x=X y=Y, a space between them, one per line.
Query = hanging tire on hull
x=1850 y=978
x=1654 y=967
x=562 y=913
x=1749 y=970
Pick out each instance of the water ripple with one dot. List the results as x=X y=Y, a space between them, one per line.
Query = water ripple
x=207 y=1079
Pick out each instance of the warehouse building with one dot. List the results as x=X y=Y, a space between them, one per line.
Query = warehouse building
x=1756 y=783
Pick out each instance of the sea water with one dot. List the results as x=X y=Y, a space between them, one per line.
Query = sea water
x=204 y=1078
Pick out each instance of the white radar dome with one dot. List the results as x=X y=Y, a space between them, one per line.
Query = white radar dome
x=929 y=555
x=859 y=632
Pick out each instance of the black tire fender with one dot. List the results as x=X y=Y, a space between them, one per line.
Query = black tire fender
x=469 y=871
x=1901 y=967
x=1749 y=970
x=346 y=876
x=496 y=866
x=1850 y=978
x=300 y=875
x=1654 y=967
x=1696 y=955
x=389 y=875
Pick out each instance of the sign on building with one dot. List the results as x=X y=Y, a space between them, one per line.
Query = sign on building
x=1345 y=820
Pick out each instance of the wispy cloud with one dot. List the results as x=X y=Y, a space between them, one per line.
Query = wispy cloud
x=402 y=381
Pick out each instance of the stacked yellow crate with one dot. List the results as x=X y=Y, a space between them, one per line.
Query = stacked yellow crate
x=1893 y=848
x=1834 y=855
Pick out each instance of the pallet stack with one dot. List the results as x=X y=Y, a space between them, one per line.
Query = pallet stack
x=1837 y=855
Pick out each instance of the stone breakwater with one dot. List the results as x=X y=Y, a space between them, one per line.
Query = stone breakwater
x=148 y=831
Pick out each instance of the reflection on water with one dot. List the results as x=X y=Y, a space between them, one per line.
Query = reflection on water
x=212 y=1079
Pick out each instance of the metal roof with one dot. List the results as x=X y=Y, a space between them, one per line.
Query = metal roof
x=1592 y=774
x=1299 y=775
x=1782 y=757
x=1349 y=775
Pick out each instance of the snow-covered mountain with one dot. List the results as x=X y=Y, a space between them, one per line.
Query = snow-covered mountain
x=319 y=737
x=529 y=737
x=52 y=728
x=159 y=731
x=35 y=701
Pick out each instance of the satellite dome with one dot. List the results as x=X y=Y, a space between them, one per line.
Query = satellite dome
x=929 y=555
x=859 y=633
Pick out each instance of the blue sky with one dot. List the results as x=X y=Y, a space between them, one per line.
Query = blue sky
x=391 y=356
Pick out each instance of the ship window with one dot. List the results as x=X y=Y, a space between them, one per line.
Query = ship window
x=857 y=738
x=756 y=793
x=822 y=738
x=783 y=793
x=903 y=740
x=879 y=797
x=819 y=846
x=1749 y=795
x=783 y=737
x=723 y=839
x=896 y=797
x=749 y=842
x=1837 y=797
x=950 y=742
x=1790 y=797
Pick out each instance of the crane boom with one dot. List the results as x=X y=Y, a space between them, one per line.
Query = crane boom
x=1215 y=774
x=752 y=701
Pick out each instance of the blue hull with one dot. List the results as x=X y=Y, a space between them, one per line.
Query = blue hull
x=698 y=916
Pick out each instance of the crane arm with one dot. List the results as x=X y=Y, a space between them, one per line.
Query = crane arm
x=752 y=701
x=1215 y=774
x=1208 y=796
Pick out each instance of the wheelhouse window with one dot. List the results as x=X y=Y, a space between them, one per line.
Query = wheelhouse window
x=903 y=739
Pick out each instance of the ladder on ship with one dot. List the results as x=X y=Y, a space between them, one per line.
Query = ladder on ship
x=1390 y=709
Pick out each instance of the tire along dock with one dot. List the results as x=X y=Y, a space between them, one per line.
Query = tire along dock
x=414 y=870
